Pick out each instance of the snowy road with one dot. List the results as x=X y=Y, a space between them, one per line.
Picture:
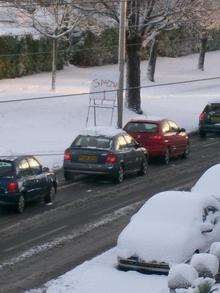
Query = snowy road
x=45 y=242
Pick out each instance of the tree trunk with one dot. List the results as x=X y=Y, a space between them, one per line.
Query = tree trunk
x=133 y=97
x=152 y=60
x=54 y=64
x=204 y=40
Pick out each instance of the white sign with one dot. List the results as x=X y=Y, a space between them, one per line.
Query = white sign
x=103 y=89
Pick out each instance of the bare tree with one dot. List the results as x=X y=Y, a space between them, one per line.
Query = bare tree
x=145 y=20
x=53 y=19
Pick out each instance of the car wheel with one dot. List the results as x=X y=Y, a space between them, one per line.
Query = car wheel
x=202 y=134
x=68 y=176
x=186 y=153
x=144 y=168
x=50 y=197
x=20 y=205
x=166 y=157
x=119 y=176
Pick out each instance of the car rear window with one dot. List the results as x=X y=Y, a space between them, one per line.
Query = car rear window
x=6 y=169
x=212 y=108
x=141 y=127
x=98 y=142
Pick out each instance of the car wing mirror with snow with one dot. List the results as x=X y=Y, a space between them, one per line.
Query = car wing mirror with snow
x=207 y=228
x=45 y=169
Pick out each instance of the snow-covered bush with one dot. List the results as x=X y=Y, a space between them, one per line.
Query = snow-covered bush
x=215 y=249
x=181 y=276
x=206 y=264
x=203 y=285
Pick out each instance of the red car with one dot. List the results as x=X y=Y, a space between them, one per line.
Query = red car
x=162 y=138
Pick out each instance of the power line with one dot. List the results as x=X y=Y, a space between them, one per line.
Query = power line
x=108 y=91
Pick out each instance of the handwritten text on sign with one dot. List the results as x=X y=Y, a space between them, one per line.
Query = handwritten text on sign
x=103 y=89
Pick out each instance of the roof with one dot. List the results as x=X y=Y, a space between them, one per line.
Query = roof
x=102 y=130
x=13 y=158
x=156 y=120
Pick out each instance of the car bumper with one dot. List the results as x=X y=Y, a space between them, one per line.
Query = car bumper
x=210 y=128
x=96 y=169
x=149 y=268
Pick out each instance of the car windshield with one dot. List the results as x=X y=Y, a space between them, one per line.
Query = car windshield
x=6 y=169
x=88 y=141
x=141 y=127
x=213 y=108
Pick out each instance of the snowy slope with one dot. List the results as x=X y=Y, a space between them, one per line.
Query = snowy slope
x=49 y=126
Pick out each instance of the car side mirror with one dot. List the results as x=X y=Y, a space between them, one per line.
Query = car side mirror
x=137 y=145
x=45 y=169
x=182 y=130
x=207 y=228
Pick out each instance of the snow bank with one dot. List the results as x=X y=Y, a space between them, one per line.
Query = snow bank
x=206 y=264
x=168 y=228
x=209 y=182
x=181 y=276
x=215 y=249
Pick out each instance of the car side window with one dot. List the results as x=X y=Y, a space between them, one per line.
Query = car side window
x=210 y=214
x=129 y=140
x=121 y=143
x=165 y=128
x=35 y=166
x=173 y=126
x=23 y=168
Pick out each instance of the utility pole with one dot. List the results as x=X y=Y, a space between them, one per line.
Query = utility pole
x=121 y=60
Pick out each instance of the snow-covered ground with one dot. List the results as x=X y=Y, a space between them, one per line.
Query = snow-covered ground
x=49 y=126
x=100 y=276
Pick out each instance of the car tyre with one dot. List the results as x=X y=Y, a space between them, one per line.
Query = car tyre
x=202 y=134
x=144 y=168
x=50 y=196
x=68 y=176
x=119 y=176
x=166 y=157
x=186 y=153
x=20 y=205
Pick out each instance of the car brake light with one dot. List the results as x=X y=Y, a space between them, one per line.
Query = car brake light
x=67 y=155
x=111 y=159
x=202 y=116
x=156 y=137
x=12 y=187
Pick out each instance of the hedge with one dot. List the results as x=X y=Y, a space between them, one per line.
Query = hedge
x=24 y=55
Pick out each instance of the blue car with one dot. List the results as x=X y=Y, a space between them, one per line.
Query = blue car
x=23 y=179
x=114 y=154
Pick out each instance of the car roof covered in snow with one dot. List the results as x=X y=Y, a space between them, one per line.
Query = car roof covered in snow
x=167 y=228
x=150 y=120
x=209 y=182
x=102 y=131
x=14 y=158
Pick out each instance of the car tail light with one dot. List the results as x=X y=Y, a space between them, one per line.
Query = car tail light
x=202 y=116
x=67 y=155
x=111 y=159
x=156 y=137
x=12 y=187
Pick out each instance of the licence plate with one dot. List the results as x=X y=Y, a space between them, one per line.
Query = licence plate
x=87 y=158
